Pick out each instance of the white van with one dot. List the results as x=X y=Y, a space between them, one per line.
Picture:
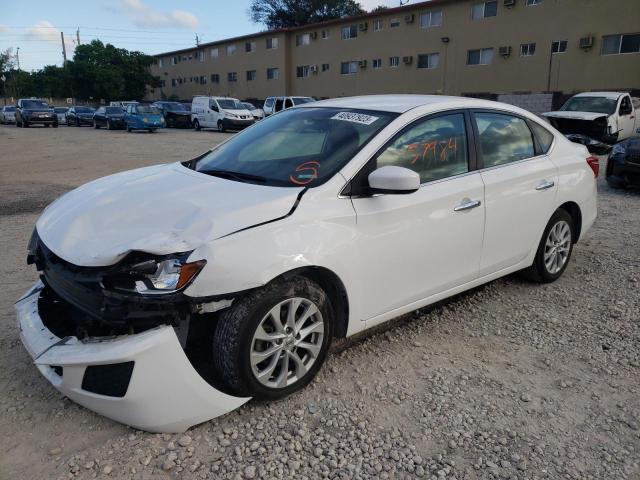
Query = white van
x=219 y=112
x=275 y=104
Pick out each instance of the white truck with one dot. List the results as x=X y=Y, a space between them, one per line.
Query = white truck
x=602 y=117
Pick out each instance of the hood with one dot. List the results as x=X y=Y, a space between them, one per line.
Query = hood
x=178 y=114
x=160 y=210
x=575 y=115
x=84 y=114
x=237 y=111
x=37 y=110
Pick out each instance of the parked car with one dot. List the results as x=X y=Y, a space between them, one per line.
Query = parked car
x=258 y=113
x=61 y=114
x=33 y=111
x=219 y=112
x=123 y=103
x=187 y=106
x=276 y=104
x=606 y=117
x=110 y=117
x=8 y=114
x=319 y=222
x=143 y=117
x=623 y=166
x=78 y=116
x=174 y=113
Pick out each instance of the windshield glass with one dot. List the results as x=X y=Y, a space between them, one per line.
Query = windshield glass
x=114 y=110
x=60 y=109
x=591 y=104
x=174 y=107
x=300 y=147
x=147 y=109
x=187 y=107
x=9 y=109
x=248 y=106
x=34 y=104
x=301 y=100
x=84 y=110
x=230 y=104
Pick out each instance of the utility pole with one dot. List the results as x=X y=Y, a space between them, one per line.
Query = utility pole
x=78 y=35
x=64 y=50
x=197 y=41
x=18 y=57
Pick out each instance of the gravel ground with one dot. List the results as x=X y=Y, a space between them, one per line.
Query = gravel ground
x=510 y=380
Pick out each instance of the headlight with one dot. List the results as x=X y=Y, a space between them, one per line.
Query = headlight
x=231 y=115
x=157 y=276
x=618 y=149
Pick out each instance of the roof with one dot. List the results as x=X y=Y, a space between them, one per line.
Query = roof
x=394 y=103
x=355 y=18
x=611 y=95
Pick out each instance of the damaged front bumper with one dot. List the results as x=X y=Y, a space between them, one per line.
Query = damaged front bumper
x=144 y=380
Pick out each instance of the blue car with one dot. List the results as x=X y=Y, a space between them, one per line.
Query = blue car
x=143 y=117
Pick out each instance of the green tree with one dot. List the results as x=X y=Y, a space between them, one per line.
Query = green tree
x=276 y=14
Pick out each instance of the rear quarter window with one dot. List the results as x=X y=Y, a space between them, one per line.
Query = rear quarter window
x=544 y=137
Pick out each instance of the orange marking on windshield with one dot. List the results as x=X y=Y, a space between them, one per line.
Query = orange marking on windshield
x=305 y=178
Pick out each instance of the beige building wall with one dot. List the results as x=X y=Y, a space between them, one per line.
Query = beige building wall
x=575 y=70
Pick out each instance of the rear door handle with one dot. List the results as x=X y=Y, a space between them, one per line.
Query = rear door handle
x=544 y=185
x=467 y=205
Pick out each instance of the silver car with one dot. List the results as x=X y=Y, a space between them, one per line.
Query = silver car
x=8 y=114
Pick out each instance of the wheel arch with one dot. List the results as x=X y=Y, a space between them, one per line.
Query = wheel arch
x=335 y=290
x=573 y=209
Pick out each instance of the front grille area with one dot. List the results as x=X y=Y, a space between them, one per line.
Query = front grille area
x=109 y=380
x=633 y=158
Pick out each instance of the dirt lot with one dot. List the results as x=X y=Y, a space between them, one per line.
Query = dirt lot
x=511 y=380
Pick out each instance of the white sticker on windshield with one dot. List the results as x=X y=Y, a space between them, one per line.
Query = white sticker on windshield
x=355 y=118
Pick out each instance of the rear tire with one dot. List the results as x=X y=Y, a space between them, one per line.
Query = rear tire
x=128 y=129
x=196 y=125
x=246 y=332
x=109 y=125
x=554 y=249
x=221 y=128
x=95 y=125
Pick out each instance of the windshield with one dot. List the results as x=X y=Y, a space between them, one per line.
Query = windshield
x=9 y=109
x=174 y=107
x=147 y=109
x=301 y=100
x=187 y=107
x=248 y=106
x=114 y=110
x=591 y=104
x=84 y=110
x=60 y=109
x=230 y=104
x=34 y=104
x=299 y=147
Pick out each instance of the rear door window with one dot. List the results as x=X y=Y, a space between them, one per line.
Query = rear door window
x=503 y=138
x=288 y=103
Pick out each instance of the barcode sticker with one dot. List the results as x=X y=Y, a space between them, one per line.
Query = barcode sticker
x=352 y=117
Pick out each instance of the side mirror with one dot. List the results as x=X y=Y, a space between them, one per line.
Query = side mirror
x=215 y=108
x=392 y=179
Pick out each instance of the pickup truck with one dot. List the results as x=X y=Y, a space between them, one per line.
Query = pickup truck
x=597 y=117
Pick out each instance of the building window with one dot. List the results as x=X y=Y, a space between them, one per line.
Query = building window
x=483 y=56
x=350 y=31
x=431 y=19
x=325 y=67
x=349 y=68
x=215 y=78
x=377 y=63
x=173 y=82
x=273 y=73
x=428 y=60
x=250 y=47
x=303 y=71
x=394 y=61
x=531 y=3
x=559 y=46
x=214 y=53
x=203 y=80
x=378 y=25
x=527 y=49
x=201 y=56
x=623 y=43
x=272 y=43
x=395 y=22
x=231 y=50
x=484 y=10
x=251 y=75
x=160 y=63
x=325 y=34
x=232 y=76
x=174 y=60
x=303 y=39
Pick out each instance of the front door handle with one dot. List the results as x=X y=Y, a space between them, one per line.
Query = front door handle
x=467 y=205
x=544 y=185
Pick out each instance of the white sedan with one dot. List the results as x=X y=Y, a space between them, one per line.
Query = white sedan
x=175 y=293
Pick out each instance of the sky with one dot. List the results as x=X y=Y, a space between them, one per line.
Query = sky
x=150 y=26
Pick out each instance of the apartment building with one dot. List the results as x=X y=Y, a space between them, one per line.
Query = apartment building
x=454 y=47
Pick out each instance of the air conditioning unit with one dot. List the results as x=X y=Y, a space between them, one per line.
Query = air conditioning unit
x=314 y=35
x=408 y=60
x=586 y=42
x=504 y=51
x=410 y=18
x=363 y=26
x=509 y=3
x=362 y=64
x=314 y=68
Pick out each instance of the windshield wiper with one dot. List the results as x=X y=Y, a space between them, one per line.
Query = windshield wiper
x=235 y=175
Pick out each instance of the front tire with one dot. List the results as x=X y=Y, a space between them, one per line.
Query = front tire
x=109 y=127
x=196 y=125
x=273 y=341
x=221 y=128
x=554 y=250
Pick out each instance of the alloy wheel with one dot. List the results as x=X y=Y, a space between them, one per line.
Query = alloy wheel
x=287 y=342
x=557 y=247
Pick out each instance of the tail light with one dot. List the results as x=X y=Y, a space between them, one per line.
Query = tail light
x=594 y=163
